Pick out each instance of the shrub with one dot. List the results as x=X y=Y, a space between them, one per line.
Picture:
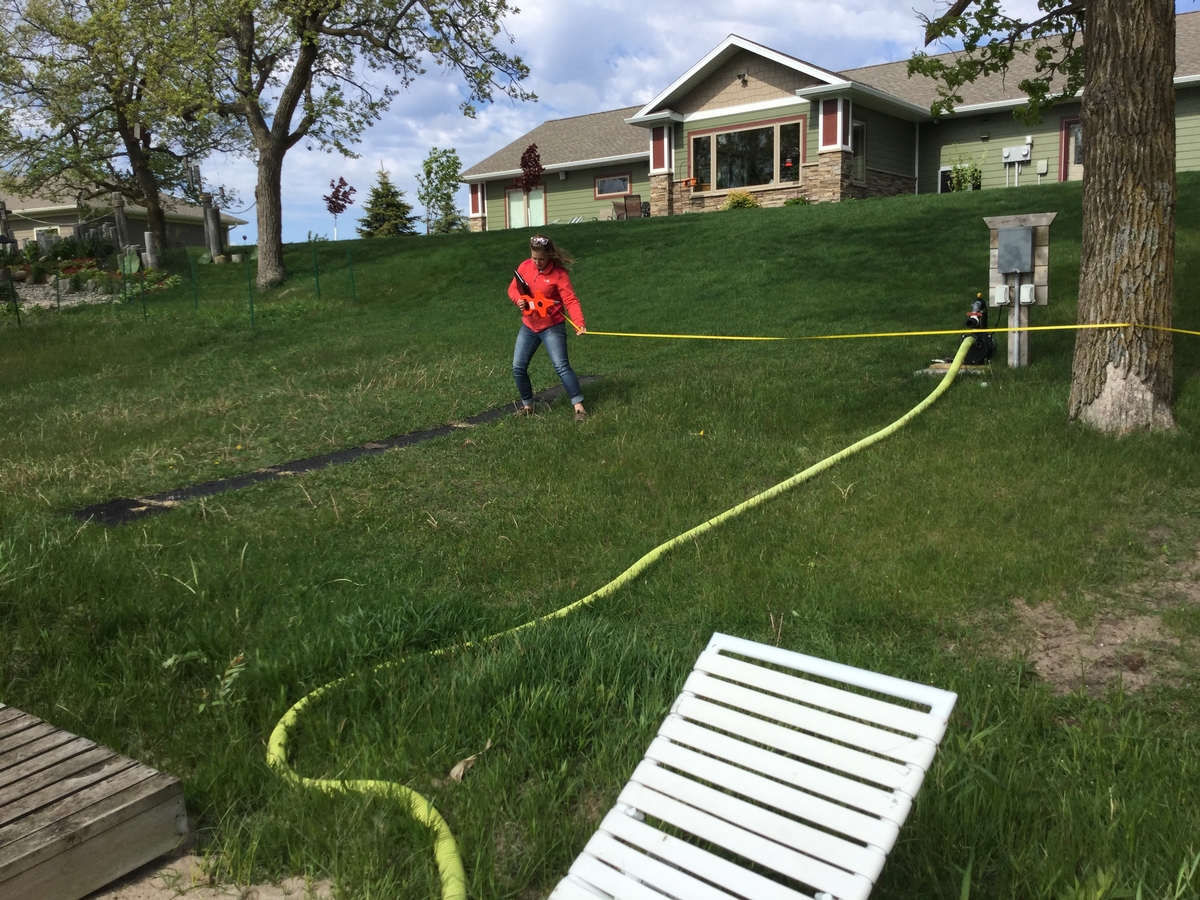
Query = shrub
x=740 y=200
x=797 y=201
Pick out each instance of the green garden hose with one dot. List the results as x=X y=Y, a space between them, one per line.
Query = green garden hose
x=450 y=866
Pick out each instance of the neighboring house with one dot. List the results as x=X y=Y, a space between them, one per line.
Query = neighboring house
x=27 y=216
x=749 y=117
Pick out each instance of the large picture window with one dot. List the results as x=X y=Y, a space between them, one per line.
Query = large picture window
x=745 y=158
x=769 y=154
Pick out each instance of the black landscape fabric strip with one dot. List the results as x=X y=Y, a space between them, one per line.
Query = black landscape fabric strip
x=120 y=510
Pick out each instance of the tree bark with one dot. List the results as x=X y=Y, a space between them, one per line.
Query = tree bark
x=1122 y=380
x=268 y=195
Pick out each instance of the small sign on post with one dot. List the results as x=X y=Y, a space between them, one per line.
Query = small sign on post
x=1020 y=265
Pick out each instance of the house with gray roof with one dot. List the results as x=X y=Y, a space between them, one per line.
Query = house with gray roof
x=747 y=117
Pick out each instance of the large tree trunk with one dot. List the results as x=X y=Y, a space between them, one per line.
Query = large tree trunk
x=1122 y=379
x=268 y=194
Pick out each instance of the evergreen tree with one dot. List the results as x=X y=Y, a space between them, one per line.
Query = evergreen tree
x=386 y=213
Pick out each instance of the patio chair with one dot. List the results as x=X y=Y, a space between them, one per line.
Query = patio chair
x=575 y=220
x=791 y=767
x=618 y=210
x=633 y=207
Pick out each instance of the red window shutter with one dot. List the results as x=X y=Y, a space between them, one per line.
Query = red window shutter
x=829 y=129
x=474 y=199
x=658 y=159
x=846 y=123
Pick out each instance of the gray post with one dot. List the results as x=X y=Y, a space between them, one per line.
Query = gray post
x=214 y=216
x=4 y=220
x=212 y=238
x=151 y=250
x=118 y=203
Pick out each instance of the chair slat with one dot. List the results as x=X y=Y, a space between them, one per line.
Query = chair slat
x=837 y=851
x=917 y=751
x=667 y=879
x=699 y=862
x=609 y=881
x=891 y=807
x=814 y=693
x=569 y=890
x=815 y=750
x=759 y=850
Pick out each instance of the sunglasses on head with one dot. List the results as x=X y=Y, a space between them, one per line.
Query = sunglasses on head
x=539 y=242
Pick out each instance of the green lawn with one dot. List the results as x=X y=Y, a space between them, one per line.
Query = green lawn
x=905 y=559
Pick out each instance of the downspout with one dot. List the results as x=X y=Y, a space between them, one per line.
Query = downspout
x=917 y=159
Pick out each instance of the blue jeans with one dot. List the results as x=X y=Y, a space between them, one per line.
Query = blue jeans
x=554 y=339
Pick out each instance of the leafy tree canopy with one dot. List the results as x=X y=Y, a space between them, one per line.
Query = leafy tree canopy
x=992 y=41
x=437 y=189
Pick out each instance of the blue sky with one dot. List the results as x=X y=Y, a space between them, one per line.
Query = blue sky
x=585 y=56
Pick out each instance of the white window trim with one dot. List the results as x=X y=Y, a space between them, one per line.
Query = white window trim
x=854 y=123
x=801 y=120
x=844 y=112
x=668 y=150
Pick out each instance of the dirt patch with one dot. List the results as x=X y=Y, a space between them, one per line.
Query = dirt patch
x=184 y=876
x=1136 y=649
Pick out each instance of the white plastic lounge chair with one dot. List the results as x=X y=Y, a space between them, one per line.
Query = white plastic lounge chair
x=787 y=762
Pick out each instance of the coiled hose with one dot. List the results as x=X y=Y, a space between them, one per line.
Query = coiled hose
x=450 y=866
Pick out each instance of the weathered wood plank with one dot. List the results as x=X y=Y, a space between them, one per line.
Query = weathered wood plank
x=62 y=781
x=8 y=712
x=92 y=864
x=86 y=824
x=33 y=748
x=24 y=771
x=60 y=809
x=29 y=734
x=19 y=721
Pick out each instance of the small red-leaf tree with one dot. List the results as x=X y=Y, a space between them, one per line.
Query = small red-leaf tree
x=338 y=200
x=531 y=170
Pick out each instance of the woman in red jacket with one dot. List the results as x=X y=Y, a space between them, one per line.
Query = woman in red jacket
x=544 y=322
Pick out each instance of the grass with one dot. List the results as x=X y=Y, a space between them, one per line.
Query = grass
x=904 y=559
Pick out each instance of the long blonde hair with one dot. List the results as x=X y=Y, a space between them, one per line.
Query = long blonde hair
x=560 y=256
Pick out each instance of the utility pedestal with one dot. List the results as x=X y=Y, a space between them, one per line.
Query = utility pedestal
x=1020 y=263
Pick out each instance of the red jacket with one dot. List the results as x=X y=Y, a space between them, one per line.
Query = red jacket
x=555 y=285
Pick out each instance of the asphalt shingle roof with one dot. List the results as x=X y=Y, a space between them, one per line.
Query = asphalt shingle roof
x=893 y=77
x=595 y=136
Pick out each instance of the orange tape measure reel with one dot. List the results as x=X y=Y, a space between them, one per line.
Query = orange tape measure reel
x=539 y=303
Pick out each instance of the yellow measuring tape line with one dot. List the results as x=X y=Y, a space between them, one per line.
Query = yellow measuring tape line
x=885 y=334
x=449 y=861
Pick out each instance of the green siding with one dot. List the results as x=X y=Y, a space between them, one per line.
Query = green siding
x=891 y=142
x=1187 y=129
x=948 y=141
x=572 y=197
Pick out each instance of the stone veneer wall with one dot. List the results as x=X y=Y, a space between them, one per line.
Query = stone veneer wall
x=889 y=184
x=826 y=181
x=477 y=224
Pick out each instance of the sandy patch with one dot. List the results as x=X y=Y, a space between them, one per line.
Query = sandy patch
x=1133 y=646
x=1136 y=649
x=184 y=876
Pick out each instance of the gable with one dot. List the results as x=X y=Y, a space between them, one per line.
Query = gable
x=766 y=79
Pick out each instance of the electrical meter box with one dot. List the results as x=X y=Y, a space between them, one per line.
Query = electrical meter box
x=1015 y=250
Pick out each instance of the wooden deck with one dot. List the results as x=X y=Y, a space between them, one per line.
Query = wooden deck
x=75 y=816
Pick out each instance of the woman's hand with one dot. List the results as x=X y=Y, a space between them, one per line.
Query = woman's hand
x=523 y=305
x=581 y=329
